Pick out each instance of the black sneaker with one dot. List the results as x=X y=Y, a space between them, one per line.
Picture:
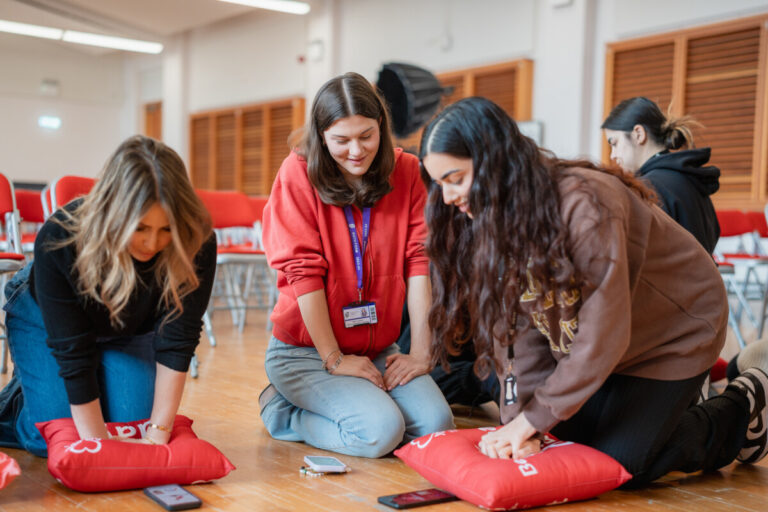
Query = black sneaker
x=754 y=383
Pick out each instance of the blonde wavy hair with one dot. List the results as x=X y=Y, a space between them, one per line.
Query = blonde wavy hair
x=140 y=173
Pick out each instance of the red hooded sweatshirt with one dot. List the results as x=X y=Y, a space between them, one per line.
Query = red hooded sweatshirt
x=308 y=243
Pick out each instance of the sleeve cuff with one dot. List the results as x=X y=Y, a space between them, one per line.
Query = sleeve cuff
x=417 y=268
x=82 y=389
x=540 y=416
x=306 y=285
x=174 y=360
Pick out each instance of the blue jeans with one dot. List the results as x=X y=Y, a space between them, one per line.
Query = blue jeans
x=126 y=374
x=345 y=414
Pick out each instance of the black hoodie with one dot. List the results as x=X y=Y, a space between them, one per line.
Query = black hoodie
x=684 y=187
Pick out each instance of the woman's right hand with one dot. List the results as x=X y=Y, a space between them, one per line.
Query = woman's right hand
x=360 y=366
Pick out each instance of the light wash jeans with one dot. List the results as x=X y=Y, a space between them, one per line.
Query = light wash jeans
x=345 y=414
x=126 y=374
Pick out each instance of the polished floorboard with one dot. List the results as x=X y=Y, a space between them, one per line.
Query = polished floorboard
x=223 y=404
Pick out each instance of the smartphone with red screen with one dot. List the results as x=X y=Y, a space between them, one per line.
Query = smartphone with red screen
x=417 y=498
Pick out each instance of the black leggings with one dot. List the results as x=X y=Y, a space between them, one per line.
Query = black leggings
x=653 y=427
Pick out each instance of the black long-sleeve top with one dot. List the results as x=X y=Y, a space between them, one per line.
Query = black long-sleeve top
x=74 y=322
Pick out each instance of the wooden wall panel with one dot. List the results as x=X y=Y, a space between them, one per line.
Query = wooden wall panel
x=200 y=128
x=225 y=151
x=241 y=148
x=281 y=117
x=644 y=72
x=153 y=120
x=253 y=153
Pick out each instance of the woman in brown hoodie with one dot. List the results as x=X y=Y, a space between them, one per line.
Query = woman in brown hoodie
x=601 y=315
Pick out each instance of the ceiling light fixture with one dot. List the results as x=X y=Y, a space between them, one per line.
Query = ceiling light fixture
x=289 y=6
x=117 y=43
x=25 y=29
x=73 y=36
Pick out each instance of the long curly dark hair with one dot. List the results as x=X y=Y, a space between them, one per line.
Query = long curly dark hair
x=480 y=266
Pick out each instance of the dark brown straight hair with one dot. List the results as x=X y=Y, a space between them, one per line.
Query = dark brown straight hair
x=344 y=96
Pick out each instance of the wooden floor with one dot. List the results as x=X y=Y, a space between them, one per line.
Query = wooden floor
x=223 y=403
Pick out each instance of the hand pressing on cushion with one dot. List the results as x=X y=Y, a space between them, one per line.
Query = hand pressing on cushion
x=515 y=439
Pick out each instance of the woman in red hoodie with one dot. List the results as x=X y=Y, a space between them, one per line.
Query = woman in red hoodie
x=344 y=228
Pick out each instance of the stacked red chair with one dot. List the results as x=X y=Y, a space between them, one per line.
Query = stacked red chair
x=742 y=267
x=12 y=259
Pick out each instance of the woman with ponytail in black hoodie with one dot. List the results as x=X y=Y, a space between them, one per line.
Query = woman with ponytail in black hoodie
x=641 y=140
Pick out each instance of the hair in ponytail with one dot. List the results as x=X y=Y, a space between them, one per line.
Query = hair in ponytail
x=670 y=132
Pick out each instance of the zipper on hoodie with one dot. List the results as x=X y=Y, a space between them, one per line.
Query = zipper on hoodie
x=367 y=294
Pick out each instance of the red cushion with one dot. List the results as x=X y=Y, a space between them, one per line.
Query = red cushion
x=9 y=469
x=96 y=465
x=718 y=370
x=561 y=472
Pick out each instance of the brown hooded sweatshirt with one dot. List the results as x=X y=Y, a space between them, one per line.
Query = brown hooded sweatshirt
x=653 y=306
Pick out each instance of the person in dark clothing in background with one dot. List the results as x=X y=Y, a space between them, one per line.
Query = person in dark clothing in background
x=641 y=140
x=460 y=384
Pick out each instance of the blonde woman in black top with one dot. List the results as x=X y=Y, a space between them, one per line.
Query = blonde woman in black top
x=103 y=324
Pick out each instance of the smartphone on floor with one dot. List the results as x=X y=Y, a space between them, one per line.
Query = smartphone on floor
x=417 y=498
x=173 y=497
x=324 y=464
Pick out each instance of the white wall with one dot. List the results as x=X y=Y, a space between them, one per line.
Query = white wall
x=247 y=59
x=440 y=35
x=89 y=103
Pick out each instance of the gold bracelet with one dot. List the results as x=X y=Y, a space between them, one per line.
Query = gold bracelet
x=325 y=361
x=150 y=440
x=160 y=427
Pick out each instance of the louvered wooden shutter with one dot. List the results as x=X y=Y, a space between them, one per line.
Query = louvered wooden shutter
x=225 y=151
x=242 y=148
x=200 y=151
x=721 y=92
x=281 y=128
x=254 y=182
x=644 y=72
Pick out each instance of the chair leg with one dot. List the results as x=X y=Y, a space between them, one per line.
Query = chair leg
x=209 y=328
x=4 y=355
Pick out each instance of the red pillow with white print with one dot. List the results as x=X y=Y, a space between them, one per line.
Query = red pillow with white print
x=96 y=465
x=9 y=469
x=560 y=473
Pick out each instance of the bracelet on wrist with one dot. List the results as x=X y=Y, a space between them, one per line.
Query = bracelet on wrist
x=328 y=357
x=336 y=364
x=160 y=427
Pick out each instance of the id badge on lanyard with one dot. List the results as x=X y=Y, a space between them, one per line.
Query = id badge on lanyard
x=510 y=381
x=359 y=312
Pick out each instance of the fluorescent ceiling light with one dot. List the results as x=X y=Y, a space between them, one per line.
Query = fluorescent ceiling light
x=30 y=30
x=289 y=6
x=73 y=36
x=118 y=43
x=49 y=122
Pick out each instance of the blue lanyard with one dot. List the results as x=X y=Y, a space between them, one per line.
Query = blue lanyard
x=356 y=244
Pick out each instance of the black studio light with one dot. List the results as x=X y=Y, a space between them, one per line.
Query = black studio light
x=413 y=95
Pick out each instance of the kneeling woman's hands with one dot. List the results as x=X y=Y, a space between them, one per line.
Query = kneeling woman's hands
x=359 y=366
x=402 y=368
x=515 y=440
